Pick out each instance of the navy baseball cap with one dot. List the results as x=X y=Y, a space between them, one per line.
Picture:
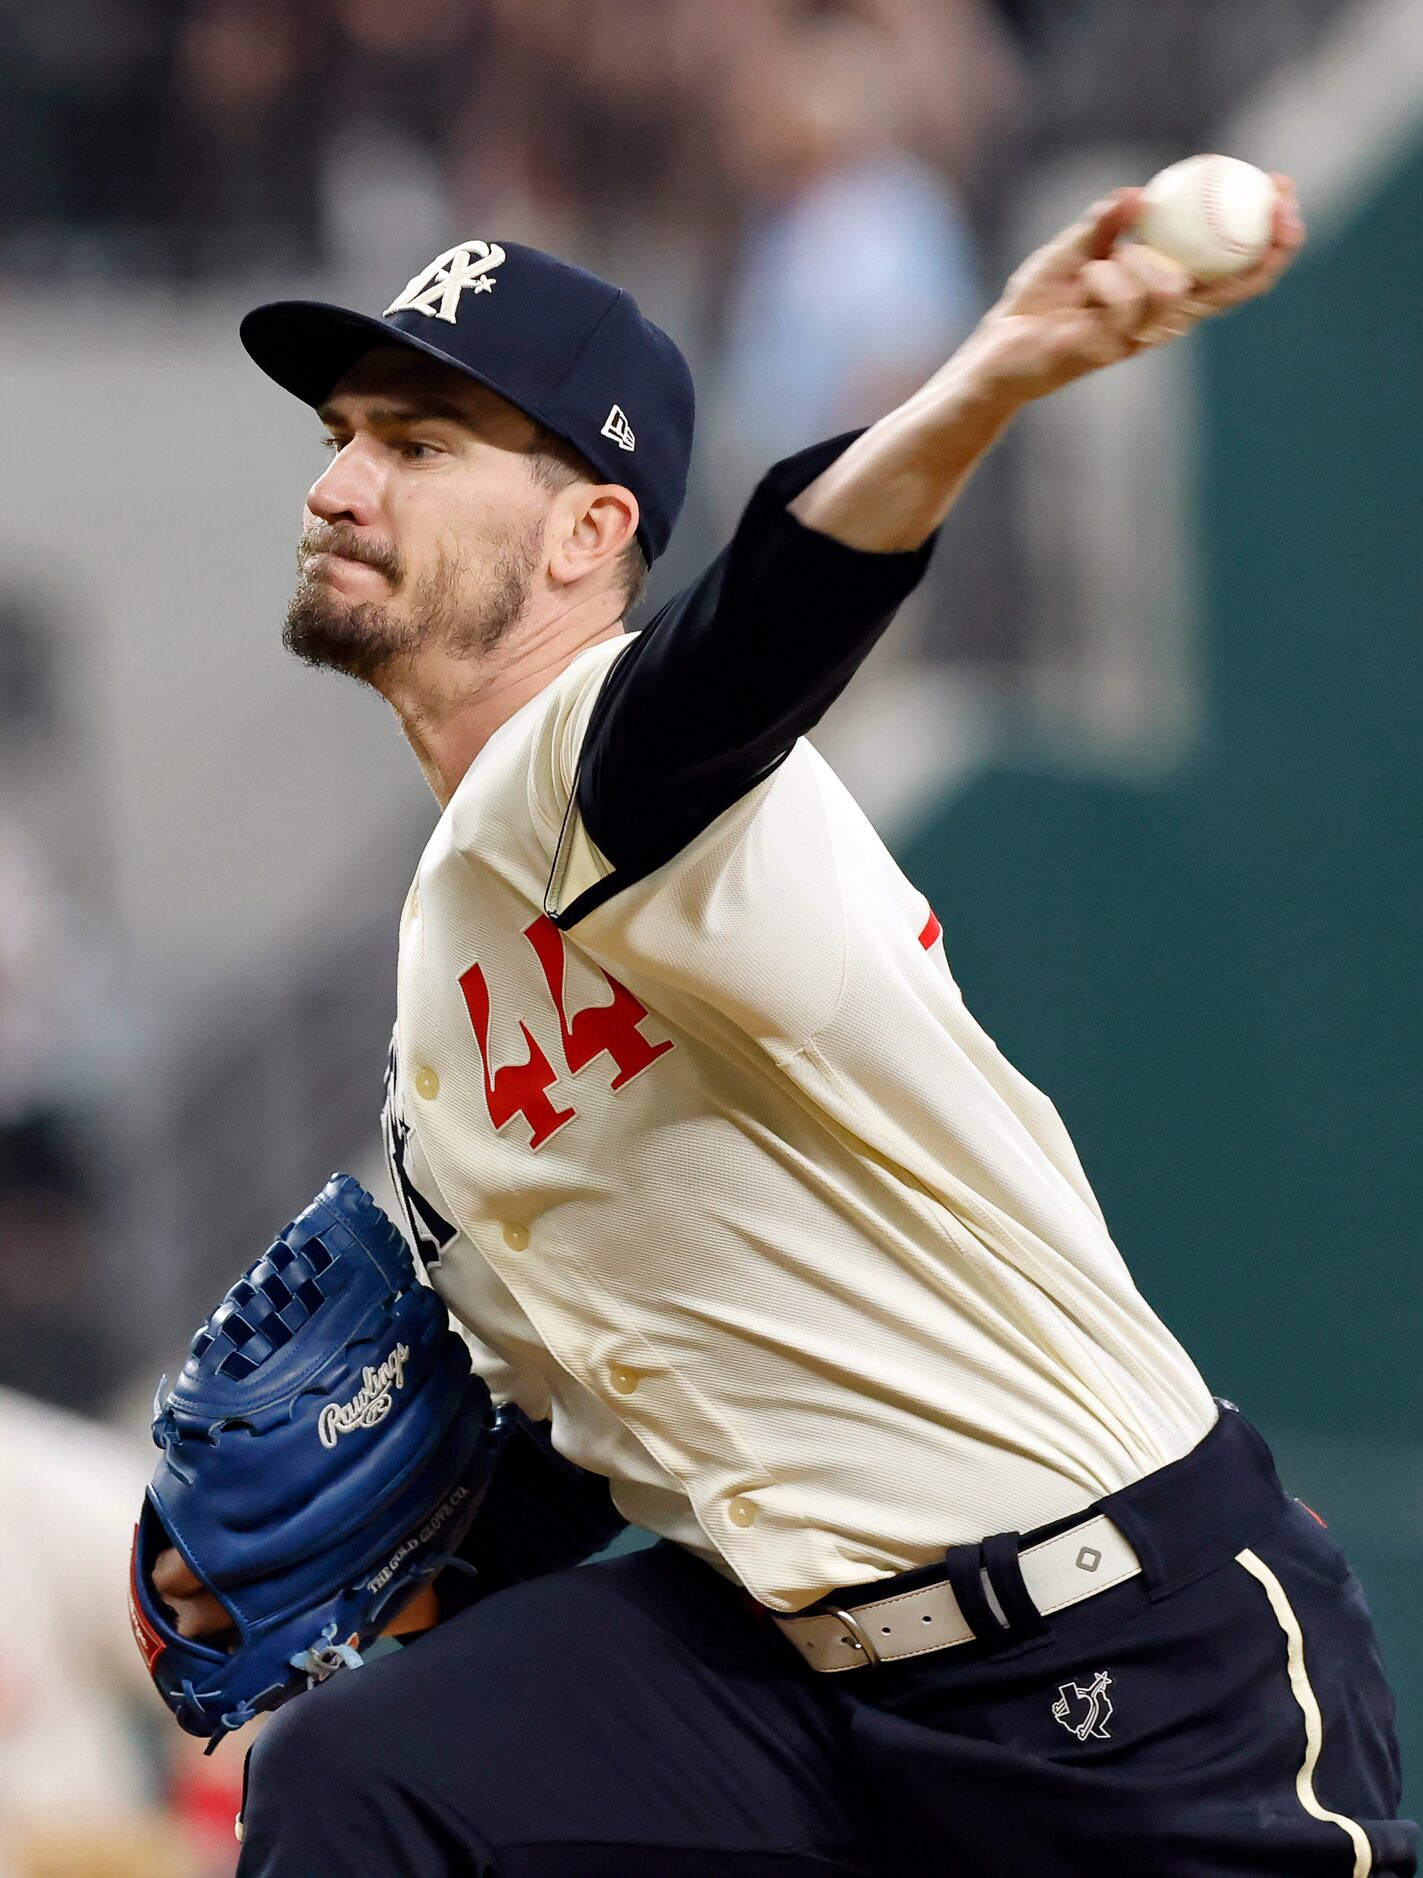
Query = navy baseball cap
x=571 y=351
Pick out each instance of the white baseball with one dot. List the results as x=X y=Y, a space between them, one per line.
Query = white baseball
x=1212 y=214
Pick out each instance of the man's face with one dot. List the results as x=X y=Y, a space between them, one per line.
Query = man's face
x=426 y=529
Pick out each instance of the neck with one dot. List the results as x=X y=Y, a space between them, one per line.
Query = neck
x=450 y=706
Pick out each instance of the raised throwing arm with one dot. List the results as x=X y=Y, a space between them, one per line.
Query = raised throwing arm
x=1074 y=306
x=706 y=701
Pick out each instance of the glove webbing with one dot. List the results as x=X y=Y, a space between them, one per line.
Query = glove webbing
x=264 y=1310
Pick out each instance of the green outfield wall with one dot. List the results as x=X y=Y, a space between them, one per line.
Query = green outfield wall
x=1216 y=977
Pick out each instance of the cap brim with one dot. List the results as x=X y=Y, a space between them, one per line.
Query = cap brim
x=308 y=347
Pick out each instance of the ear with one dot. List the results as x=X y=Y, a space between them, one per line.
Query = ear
x=590 y=525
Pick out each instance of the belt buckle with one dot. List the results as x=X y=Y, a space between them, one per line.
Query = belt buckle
x=859 y=1636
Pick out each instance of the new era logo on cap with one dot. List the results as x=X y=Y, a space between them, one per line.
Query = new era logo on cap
x=436 y=291
x=616 y=426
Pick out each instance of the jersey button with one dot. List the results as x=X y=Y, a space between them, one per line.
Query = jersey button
x=427 y=1083
x=414 y=903
x=516 y=1235
x=624 y=1380
x=741 y=1511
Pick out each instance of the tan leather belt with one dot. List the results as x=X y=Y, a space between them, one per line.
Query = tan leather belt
x=1058 y=1573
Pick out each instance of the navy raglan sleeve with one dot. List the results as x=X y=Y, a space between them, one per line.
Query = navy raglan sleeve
x=713 y=694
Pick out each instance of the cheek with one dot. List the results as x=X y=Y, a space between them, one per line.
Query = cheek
x=429 y=514
x=490 y=520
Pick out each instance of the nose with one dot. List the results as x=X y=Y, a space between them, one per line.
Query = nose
x=348 y=489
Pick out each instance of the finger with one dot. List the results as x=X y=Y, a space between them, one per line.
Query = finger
x=1162 y=332
x=172 y=1576
x=201 y=1616
x=1218 y=296
x=1287 y=226
x=1099 y=230
x=1286 y=195
x=196 y=1612
x=1171 y=308
x=1137 y=288
x=1164 y=280
x=1116 y=292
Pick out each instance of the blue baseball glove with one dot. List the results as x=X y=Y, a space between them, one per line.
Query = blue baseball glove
x=323 y=1452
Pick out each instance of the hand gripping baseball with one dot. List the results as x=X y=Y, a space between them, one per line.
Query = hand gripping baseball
x=1084 y=301
x=324 y=1447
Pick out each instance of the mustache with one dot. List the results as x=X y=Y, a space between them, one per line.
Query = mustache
x=332 y=538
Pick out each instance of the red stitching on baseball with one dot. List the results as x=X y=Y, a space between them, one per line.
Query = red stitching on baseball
x=1211 y=185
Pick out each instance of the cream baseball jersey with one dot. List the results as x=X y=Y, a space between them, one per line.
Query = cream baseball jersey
x=724 y=1179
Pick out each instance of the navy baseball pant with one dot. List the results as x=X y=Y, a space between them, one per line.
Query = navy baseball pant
x=1223 y=1714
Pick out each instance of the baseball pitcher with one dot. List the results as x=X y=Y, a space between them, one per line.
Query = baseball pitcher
x=963 y=1568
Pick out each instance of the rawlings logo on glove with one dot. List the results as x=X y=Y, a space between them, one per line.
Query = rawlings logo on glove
x=369 y=1405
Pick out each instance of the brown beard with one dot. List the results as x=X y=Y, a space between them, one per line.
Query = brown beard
x=364 y=638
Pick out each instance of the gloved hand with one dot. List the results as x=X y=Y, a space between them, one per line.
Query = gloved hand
x=323 y=1452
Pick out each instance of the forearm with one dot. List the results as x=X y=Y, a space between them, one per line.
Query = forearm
x=894 y=485
x=1077 y=305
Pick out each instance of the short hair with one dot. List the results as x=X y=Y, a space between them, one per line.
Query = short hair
x=555 y=463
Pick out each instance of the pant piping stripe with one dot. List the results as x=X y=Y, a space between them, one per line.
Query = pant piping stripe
x=1309 y=1708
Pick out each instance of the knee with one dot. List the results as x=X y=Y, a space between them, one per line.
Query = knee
x=326 y=1789
x=305 y=1746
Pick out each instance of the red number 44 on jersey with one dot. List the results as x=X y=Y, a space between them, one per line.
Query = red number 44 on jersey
x=600 y=1030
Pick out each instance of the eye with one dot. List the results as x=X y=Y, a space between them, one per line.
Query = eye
x=415 y=452
x=333 y=444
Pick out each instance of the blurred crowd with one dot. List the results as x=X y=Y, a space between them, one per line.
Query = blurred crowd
x=219 y=140
x=224 y=138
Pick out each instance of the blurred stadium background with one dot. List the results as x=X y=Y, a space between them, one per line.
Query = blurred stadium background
x=1149 y=739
